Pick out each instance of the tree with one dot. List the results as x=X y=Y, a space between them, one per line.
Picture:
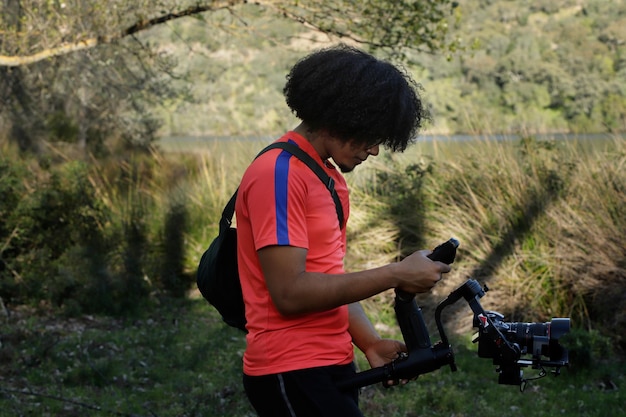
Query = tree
x=82 y=70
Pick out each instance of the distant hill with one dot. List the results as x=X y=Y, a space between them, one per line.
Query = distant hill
x=527 y=67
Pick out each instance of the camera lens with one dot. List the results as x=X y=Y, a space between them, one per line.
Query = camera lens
x=540 y=339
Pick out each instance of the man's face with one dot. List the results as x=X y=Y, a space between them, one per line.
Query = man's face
x=348 y=155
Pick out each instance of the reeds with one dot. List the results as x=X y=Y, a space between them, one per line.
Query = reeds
x=541 y=222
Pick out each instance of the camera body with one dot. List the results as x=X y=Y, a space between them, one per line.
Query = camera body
x=508 y=345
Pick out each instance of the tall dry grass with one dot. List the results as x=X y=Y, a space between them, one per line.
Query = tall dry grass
x=540 y=222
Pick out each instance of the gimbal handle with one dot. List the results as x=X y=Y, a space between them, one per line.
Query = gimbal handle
x=422 y=357
x=408 y=313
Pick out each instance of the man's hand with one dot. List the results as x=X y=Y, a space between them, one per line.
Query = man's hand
x=384 y=351
x=418 y=274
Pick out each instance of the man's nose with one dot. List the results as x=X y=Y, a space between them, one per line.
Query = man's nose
x=373 y=150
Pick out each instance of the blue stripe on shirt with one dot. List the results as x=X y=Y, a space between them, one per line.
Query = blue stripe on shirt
x=281 y=181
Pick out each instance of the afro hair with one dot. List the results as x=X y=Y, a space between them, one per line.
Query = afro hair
x=356 y=97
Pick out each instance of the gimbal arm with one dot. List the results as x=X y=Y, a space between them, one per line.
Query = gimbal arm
x=471 y=291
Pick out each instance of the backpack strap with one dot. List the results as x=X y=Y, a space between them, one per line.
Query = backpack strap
x=295 y=150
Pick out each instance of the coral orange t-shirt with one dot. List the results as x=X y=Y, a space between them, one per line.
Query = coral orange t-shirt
x=282 y=202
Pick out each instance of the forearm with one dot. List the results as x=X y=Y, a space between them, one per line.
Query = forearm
x=361 y=328
x=311 y=292
x=377 y=350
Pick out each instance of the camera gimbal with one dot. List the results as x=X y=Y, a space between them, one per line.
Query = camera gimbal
x=504 y=343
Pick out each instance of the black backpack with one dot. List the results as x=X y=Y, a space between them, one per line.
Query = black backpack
x=218 y=276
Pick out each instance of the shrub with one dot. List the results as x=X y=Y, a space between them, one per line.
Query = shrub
x=63 y=245
x=57 y=215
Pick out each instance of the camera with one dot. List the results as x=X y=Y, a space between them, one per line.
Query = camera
x=507 y=343
x=511 y=346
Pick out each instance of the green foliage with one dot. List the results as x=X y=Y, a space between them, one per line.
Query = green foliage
x=535 y=68
x=402 y=191
x=104 y=76
x=181 y=360
x=587 y=348
x=538 y=221
x=11 y=189
x=111 y=237
x=64 y=246
x=175 y=360
x=59 y=216
x=553 y=66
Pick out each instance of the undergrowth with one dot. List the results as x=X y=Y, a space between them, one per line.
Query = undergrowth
x=181 y=360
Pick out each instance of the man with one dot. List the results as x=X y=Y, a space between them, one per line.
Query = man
x=302 y=308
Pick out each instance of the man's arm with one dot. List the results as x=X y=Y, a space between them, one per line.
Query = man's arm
x=378 y=351
x=297 y=291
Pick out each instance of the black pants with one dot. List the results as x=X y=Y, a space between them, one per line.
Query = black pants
x=303 y=393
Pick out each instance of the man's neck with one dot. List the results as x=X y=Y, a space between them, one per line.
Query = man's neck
x=317 y=138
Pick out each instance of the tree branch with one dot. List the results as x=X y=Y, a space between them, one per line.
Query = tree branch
x=65 y=48
x=380 y=27
x=15 y=61
x=328 y=31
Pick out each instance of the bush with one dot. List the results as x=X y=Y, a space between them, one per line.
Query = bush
x=63 y=246
x=11 y=190
x=57 y=214
x=586 y=348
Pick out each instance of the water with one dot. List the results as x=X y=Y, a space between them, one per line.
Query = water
x=194 y=142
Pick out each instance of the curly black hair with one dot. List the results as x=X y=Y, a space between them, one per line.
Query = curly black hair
x=356 y=97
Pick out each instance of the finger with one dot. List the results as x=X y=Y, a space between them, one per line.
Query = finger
x=444 y=267
x=388 y=384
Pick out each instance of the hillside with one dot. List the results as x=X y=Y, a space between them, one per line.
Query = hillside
x=542 y=67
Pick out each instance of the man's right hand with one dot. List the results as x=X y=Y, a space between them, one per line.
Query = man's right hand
x=418 y=274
